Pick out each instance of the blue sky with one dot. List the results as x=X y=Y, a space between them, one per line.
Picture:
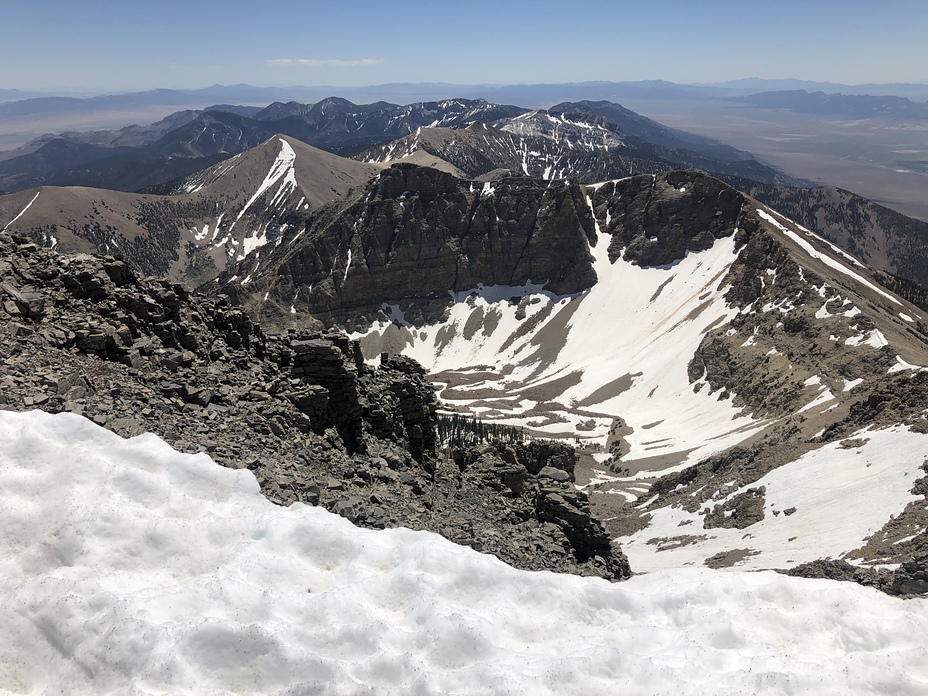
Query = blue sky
x=106 y=45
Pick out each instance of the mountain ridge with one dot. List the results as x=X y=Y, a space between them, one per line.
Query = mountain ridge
x=852 y=106
x=336 y=125
x=191 y=234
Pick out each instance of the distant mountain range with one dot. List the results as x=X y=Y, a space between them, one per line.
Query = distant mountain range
x=589 y=141
x=531 y=94
x=135 y=158
x=851 y=106
x=10 y=95
x=912 y=90
x=165 y=197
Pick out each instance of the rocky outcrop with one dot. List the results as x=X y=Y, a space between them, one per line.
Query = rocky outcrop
x=899 y=399
x=910 y=579
x=539 y=476
x=399 y=404
x=558 y=503
x=698 y=487
x=739 y=512
x=657 y=219
x=416 y=234
x=300 y=409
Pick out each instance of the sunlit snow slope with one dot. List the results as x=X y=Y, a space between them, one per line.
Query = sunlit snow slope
x=126 y=567
x=837 y=497
x=573 y=364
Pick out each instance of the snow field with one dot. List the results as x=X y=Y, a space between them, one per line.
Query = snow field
x=647 y=322
x=841 y=497
x=130 y=568
x=635 y=328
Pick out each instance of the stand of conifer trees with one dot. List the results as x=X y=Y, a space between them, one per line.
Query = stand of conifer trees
x=465 y=431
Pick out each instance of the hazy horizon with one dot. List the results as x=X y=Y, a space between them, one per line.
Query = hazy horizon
x=115 y=47
x=722 y=83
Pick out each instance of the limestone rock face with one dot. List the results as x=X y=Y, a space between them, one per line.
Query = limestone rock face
x=400 y=404
x=416 y=234
x=538 y=476
x=657 y=219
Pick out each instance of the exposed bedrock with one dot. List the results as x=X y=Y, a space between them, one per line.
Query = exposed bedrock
x=657 y=219
x=417 y=234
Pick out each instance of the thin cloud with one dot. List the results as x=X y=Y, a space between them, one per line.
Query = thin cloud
x=324 y=63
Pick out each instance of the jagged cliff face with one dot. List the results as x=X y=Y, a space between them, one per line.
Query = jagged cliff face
x=417 y=237
x=416 y=234
x=657 y=220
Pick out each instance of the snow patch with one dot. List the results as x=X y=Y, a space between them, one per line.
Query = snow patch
x=874 y=339
x=824 y=258
x=21 y=212
x=347 y=266
x=901 y=366
x=821 y=399
x=253 y=241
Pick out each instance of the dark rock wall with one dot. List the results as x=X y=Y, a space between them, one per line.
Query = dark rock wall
x=658 y=219
x=417 y=233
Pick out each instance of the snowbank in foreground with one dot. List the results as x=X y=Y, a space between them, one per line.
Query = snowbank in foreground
x=126 y=567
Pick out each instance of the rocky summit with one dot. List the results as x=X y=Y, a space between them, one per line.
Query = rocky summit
x=303 y=411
